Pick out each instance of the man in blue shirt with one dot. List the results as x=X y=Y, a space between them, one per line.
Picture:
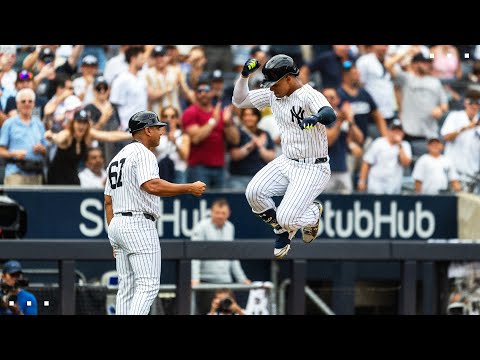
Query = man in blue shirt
x=24 y=302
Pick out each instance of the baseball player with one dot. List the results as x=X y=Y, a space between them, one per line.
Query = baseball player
x=302 y=171
x=132 y=208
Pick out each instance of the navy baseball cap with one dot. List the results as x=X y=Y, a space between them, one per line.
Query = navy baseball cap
x=12 y=267
x=159 y=50
x=81 y=115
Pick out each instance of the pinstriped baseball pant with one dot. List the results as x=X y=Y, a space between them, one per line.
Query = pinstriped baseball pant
x=138 y=261
x=299 y=183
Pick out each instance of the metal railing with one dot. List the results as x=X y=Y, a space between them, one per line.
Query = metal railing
x=428 y=257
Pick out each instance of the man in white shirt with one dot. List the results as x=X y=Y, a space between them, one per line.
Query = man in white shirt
x=217 y=227
x=461 y=132
x=94 y=174
x=129 y=90
x=384 y=162
x=433 y=172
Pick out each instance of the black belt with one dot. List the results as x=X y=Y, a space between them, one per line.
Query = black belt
x=147 y=216
x=317 y=160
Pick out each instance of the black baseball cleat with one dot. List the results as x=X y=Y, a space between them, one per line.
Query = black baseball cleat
x=282 y=245
x=310 y=233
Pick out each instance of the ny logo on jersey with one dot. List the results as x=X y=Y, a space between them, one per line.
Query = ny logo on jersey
x=298 y=115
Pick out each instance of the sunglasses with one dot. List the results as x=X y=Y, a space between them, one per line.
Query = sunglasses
x=25 y=75
x=102 y=89
x=204 y=89
x=26 y=101
x=473 y=102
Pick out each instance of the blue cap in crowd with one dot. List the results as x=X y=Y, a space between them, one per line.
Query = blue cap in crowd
x=12 y=267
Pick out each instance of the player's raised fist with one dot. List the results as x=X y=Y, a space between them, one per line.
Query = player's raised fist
x=198 y=188
x=250 y=66
x=309 y=122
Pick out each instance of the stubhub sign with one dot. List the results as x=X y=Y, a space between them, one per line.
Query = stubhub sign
x=79 y=214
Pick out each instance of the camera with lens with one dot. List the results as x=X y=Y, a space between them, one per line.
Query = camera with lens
x=225 y=305
x=19 y=283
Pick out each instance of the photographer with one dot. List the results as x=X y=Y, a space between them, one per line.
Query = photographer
x=12 y=284
x=224 y=303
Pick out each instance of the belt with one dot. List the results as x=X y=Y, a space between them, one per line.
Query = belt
x=129 y=213
x=312 y=161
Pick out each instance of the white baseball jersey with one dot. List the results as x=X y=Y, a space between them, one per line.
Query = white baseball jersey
x=127 y=171
x=289 y=112
x=299 y=182
x=434 y=173
x=132 y=231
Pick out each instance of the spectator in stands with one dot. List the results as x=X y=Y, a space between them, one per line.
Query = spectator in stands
x=55 y=108
x=209 y=127
x=174 y=148
x=99 y=52
x=104 y=116
x=45 y=57
x=224 y=302
x=101 y=109
x=461 y=132
x=94 y=174
x=4 y=95
x=83 y=85
x=424 y=102
x=217 y=227
x=116 y=65
x=433 y=172
x=446 y=66
x=474 y=75
x=22 y=143
x=197 y=60
x=8 y=57
x=25 y=80
x=367 y=115
x=129 y=90
x=446 y=62
x=384 y=161
x=13 y=289
x=73 y=143
x=255 y=149
x=344 y=137
x=165 y=83
x=217 y=83
x=377 y=81
x=219 y=57
x=329 y=66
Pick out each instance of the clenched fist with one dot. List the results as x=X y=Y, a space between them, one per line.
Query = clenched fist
x=250 y=66
x=198 y=188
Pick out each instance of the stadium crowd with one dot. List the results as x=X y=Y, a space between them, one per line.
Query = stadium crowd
x=407 y=115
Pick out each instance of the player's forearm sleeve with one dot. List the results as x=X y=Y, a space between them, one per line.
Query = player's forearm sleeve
x=326 y=115
x=240 y=93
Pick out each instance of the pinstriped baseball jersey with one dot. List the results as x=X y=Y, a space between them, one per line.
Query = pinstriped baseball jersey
x=289 y=112
x=127 y=171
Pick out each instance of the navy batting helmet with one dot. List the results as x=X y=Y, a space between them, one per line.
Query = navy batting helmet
x=143 y=119
x=276 y=68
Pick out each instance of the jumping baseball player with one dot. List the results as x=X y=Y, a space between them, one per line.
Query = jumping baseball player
x=302 y=171
x=132 y=208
